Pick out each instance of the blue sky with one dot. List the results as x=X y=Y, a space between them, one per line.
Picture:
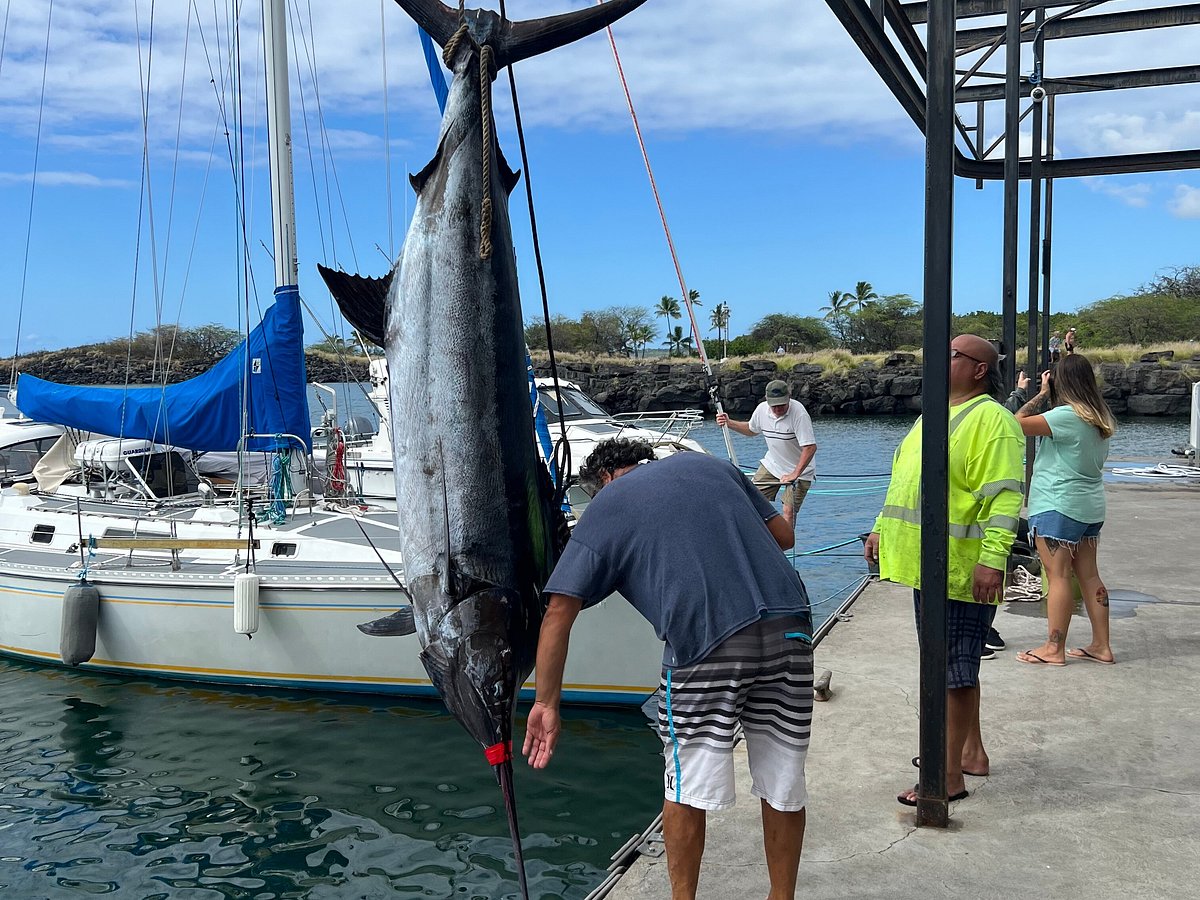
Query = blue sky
x=786 y=168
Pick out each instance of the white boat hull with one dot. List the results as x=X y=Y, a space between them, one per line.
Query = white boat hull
x=157 y=622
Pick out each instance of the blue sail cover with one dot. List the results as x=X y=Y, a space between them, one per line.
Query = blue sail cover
x=205 y=412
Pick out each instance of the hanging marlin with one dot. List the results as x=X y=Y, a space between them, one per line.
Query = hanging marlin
x=479 y=529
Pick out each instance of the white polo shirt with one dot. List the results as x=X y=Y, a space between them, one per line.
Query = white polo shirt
x=785 y=436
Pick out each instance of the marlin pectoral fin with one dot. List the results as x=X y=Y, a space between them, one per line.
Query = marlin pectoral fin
x=363 y=300
x=401 y=622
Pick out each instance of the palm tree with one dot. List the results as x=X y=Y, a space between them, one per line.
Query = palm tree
x=837 y=311
x=719 y=319
x=864 y=295
x=839 y=303
x=640 y=336
x=668 y=308
x=676 y=340
x=694 y=297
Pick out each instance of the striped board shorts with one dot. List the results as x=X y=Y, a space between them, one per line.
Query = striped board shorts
x=757 y=684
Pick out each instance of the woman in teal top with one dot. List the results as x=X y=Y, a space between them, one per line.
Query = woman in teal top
x=1066 y=504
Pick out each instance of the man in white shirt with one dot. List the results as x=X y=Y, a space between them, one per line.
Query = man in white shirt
x=791 y=446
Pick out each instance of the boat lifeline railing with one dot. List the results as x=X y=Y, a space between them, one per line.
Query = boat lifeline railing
x=670 y=425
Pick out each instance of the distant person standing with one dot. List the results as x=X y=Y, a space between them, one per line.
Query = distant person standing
x=1066 y=505
x=1069 y=341
x=791 y=446
x=1055 y=347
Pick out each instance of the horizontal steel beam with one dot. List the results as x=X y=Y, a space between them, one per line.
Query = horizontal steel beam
x=1083 y=84
x=1086 y=26
x=918 y=13
x=1126 y=164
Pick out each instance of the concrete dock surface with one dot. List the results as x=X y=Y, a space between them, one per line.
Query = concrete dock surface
x=1094 y=789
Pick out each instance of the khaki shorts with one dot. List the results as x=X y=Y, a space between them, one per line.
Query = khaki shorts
x=768 y=485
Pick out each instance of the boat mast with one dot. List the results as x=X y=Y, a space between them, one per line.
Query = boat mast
x=279 y=141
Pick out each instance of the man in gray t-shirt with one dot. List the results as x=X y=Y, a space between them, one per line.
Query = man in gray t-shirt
x=691 y=543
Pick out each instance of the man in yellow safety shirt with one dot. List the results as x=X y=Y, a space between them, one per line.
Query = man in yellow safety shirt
x=986 y=476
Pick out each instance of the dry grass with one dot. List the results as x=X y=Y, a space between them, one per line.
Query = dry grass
x=840 y=361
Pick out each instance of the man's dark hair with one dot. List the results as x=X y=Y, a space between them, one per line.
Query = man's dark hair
x=609 y=456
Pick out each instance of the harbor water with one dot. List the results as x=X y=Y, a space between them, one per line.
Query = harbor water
x=141 y=789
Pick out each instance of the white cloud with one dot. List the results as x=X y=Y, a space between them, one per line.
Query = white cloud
x=1137 y=195
x=60 y=179
x=784 y=69
x=1186 y=203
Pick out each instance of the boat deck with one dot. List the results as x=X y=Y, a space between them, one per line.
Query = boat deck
x=1094 y=787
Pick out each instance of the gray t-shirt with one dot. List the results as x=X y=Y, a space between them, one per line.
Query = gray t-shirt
x=685 y=540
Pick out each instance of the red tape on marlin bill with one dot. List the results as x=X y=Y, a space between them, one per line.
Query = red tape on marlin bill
x=498 y=753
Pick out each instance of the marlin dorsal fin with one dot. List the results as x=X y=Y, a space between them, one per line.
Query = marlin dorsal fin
x=362 y=300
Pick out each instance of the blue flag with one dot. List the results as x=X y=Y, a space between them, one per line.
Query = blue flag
x=433 y=61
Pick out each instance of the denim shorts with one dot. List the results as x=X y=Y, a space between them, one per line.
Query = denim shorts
x=1054 y=526
x=967 y=626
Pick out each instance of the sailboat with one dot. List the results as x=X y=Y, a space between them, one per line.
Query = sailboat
x=184 y=586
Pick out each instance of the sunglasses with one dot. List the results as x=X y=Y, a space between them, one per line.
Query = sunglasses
x=955 y=353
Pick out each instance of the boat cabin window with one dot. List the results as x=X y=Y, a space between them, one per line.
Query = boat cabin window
x=576 y=405
x=281 y=549
x=131 y=533
x=167 y=474
x=18 y=460
x=42 y=534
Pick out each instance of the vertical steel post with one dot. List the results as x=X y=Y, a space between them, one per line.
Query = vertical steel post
x=1049 y=224
x=932 y=807
x=1012 y=185
x=1035 y=243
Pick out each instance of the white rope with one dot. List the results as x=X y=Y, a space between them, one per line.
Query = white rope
x=1162 y=470
x=1023 y=587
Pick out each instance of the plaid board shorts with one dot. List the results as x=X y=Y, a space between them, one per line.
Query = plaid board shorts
x=967 y=626
x=757 y=684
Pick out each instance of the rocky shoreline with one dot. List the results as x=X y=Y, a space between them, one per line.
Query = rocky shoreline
x=1156 y=385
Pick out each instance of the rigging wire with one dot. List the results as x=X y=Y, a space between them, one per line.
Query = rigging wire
x=564 y=472
x=308 y=147
x=662 y=214
x=187 y=36
x=387 y=140
x=4 y=34
x=37 y=150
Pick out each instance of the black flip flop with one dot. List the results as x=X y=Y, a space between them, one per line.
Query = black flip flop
x=953 y=798
x=916 y=761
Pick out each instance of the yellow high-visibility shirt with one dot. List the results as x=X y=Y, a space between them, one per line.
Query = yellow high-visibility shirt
x=986 y=478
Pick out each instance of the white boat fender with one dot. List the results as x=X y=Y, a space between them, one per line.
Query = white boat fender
x=245 y=603
x=80 y=617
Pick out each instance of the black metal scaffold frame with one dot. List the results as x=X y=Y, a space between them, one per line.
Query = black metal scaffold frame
x=886 y=33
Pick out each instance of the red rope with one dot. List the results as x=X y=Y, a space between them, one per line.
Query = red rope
x=498 y=753
x=662 y=214
x=337 y=472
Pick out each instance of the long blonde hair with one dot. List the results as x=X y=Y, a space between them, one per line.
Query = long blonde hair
x=1073 y=382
